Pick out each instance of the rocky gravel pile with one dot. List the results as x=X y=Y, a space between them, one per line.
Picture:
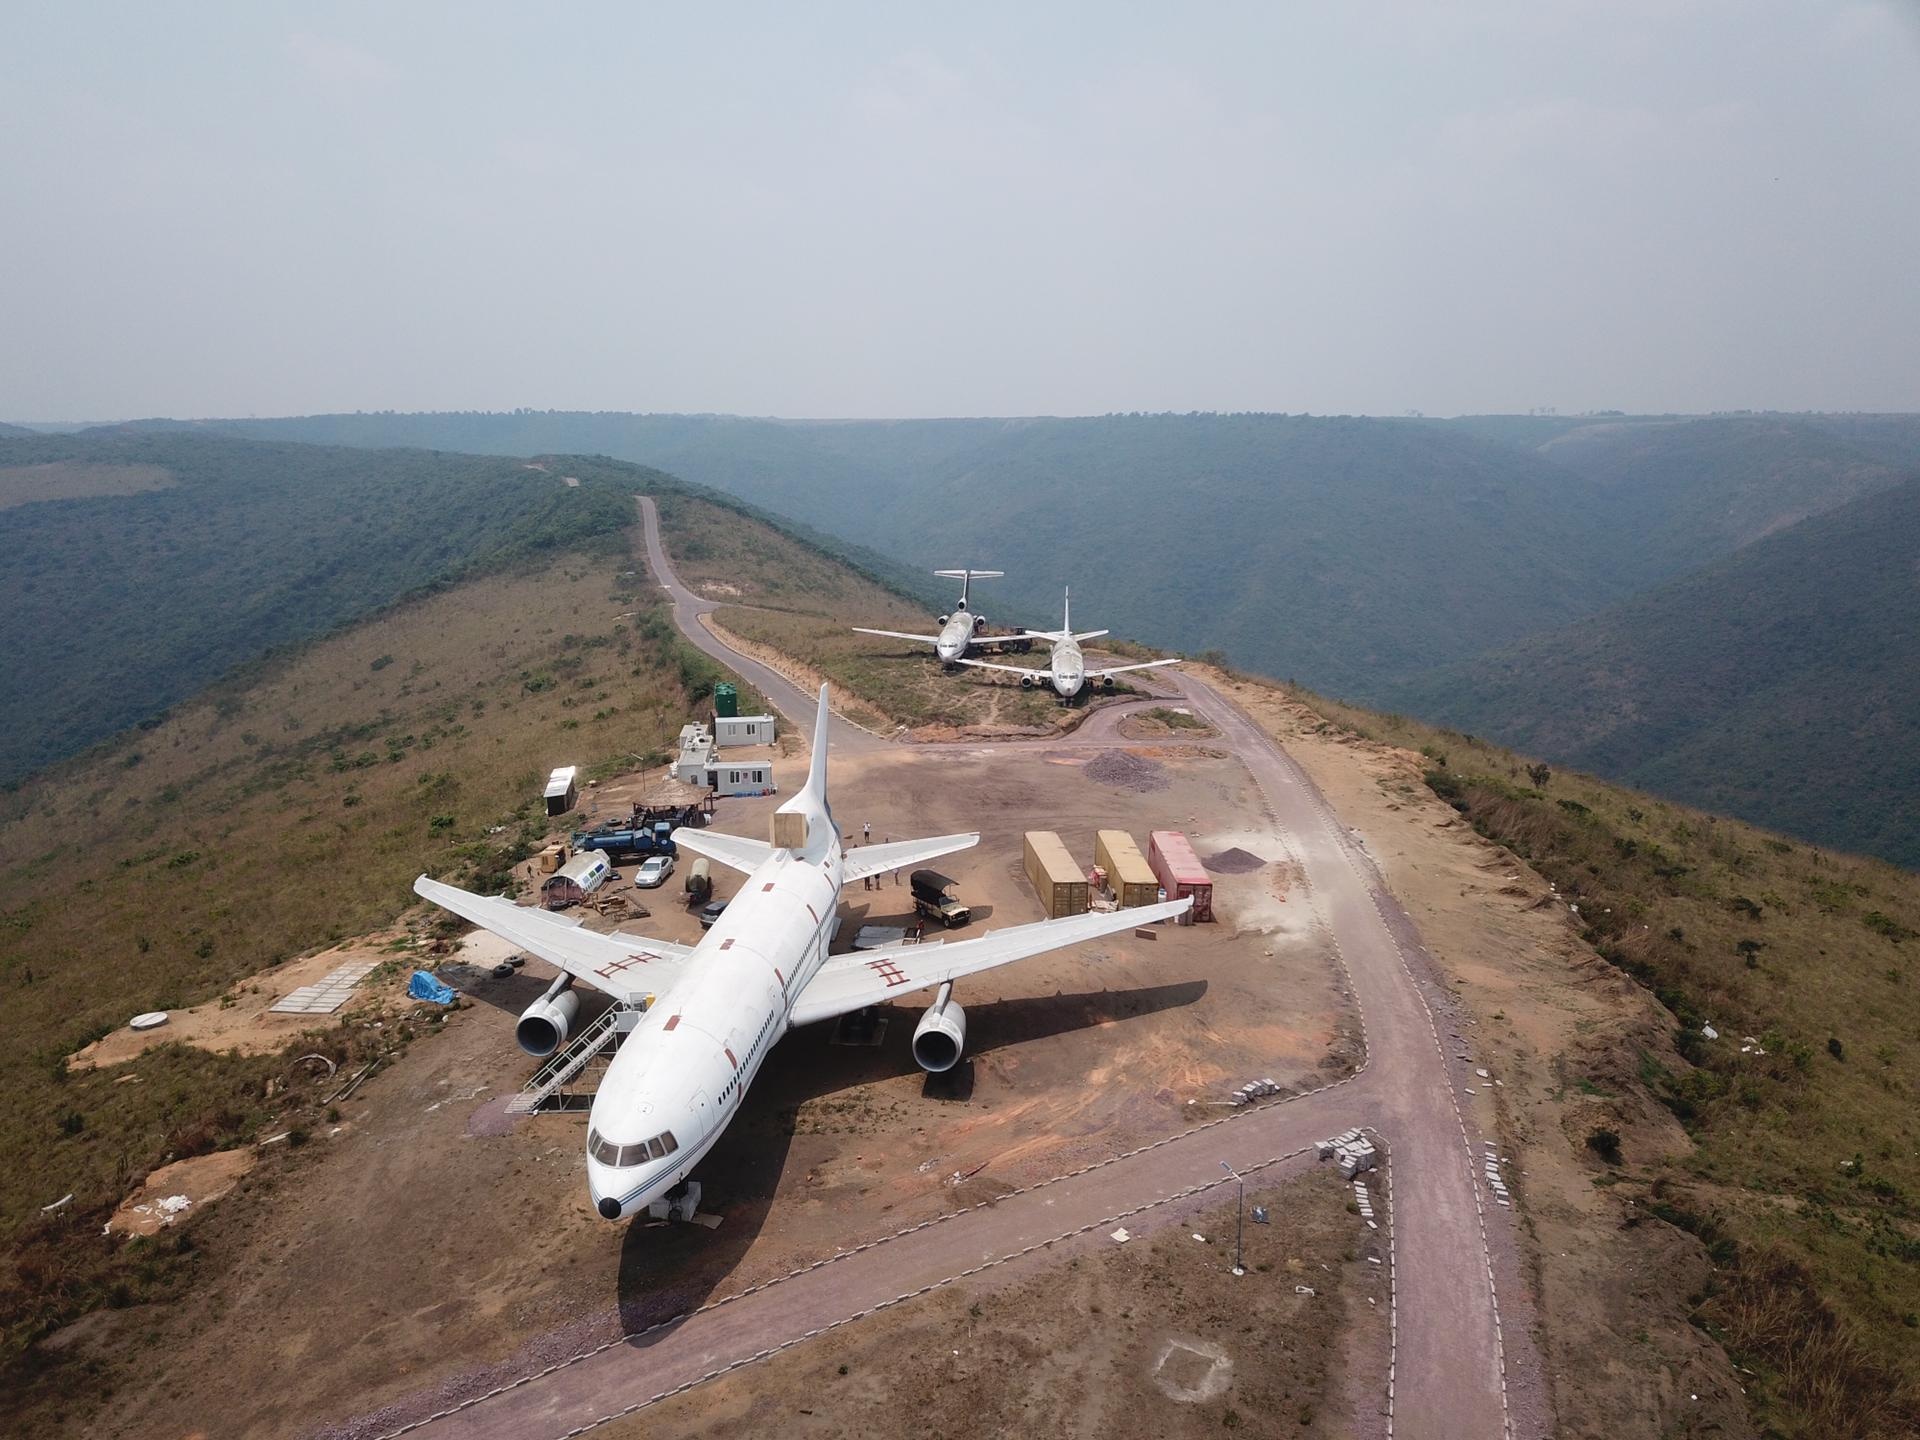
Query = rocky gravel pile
x=1125 y=771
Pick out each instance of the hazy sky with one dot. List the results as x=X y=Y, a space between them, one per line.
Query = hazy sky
x=841 y=210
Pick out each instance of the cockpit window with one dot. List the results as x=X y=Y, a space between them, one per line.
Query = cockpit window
x=638 y=1153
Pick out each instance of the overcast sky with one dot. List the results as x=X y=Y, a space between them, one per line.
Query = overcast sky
x=834 y=210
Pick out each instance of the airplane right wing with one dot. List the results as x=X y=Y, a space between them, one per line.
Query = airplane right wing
x=868 y=977
x=626 y=967
x=897 y=635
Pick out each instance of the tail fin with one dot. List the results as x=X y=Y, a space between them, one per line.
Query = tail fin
x=967 y=577
x=817 y=766
x=1066 y=613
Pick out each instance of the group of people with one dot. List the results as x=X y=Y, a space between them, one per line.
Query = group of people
x=874 y=882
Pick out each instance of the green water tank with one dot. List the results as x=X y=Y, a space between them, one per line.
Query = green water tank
x=726 y=699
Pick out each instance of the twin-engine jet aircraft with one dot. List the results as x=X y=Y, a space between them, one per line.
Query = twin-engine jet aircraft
x=958 y=630
x=715 y=1009
x=1066 y=668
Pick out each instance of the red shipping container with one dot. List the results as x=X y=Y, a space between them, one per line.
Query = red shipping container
x=1180 y=872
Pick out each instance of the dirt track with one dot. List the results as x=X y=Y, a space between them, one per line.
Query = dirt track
x=1459 y=1366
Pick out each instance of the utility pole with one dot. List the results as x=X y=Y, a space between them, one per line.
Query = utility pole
x=1239 y=1216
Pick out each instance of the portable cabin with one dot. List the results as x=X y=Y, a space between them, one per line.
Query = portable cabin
x=1132 y=879
x=1055 y=878
x=696 y=755
x=1180 y=873
x=575 y=880
x=743 y=730
x=563 y=790
x=747 y=777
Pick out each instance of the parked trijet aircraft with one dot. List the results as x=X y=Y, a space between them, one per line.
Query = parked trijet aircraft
x=1066 y=668
x=959 y=630
x=715 y=1009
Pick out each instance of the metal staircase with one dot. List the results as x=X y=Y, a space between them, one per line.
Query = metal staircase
x=545 y=1090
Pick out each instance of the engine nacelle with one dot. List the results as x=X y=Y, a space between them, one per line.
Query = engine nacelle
x=1106 y=682
x=945 y=618
x=941 y=1036
x=1026 y=682
x=544 y=1024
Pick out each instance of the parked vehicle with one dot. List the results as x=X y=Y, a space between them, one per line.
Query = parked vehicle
x=622 y=837
x=710 y=912
x=932 y=902
x=653 y=872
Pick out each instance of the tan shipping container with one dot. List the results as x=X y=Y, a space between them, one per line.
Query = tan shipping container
x=1058 y=882
x=1132 y=879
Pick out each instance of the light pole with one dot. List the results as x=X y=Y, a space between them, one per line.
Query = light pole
x=1239 y=1215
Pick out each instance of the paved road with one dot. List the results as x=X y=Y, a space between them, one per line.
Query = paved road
x=1449 y=1374
x=795 y=705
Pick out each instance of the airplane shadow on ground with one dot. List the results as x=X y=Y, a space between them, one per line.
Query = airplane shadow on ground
x=667 y=1271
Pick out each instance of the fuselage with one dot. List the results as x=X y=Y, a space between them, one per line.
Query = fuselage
x=679 y=1076
x=956 y=635
x=1067 y=668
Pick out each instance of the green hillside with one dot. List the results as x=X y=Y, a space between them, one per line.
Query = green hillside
x=1346 y=552
x=141 y=566
x=1781 y=684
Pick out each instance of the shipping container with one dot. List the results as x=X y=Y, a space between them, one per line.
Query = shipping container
x=1128 y=873
x=743 y=730
x=1055 y=878
x=1180 y=872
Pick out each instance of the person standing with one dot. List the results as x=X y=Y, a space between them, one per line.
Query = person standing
x=866 y=834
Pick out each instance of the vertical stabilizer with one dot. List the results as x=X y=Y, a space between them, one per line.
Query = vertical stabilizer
x=1066 y=613
x=817 y=766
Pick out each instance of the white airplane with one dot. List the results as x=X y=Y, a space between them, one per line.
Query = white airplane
x=957 y=631
x=1066 y=668
x=714 y=1010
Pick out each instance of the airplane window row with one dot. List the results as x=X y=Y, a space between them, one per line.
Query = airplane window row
x=638 y=1153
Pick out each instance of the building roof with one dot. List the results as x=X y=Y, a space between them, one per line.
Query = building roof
x=561 y=780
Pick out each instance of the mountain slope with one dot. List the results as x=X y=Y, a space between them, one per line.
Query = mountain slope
x=1781 y=684
x=216 y=550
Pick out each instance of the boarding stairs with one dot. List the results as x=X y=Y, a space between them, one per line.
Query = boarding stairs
x=546 y=1090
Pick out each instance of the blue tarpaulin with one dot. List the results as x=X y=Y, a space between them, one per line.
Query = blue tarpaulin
x=425 y=987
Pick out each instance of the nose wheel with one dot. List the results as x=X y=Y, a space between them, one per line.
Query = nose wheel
x=679 y=1204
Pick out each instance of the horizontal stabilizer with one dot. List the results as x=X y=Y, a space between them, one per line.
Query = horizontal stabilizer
x=897 y=854
x=736 y=852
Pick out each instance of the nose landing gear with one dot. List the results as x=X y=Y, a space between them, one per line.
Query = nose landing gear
x=678 y=1204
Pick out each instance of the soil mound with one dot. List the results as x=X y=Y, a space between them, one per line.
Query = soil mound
x=1232 y=862
x=1126 y=771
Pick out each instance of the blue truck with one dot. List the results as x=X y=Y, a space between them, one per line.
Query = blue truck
x=628 y=838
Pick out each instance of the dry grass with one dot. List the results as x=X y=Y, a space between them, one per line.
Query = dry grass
x=278 y=814
x=781 y=594
x=1806 y=1176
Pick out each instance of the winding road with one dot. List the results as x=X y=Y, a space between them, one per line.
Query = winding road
x=1460 y=1367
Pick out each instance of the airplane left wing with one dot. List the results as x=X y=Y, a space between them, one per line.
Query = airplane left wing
x=868 y=977
x=1123 y=669
x=897 y=635
x=626 y=967
x=878 y=859
x=1010 y=669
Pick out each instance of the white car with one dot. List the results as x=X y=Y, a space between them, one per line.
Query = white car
x=653 y=872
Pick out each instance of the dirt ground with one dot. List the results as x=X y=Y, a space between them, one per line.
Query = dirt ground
x=1151 y=1337
x=433 y=1244
x=1560 y=1030
x=199 y=1180
x=242 y=1019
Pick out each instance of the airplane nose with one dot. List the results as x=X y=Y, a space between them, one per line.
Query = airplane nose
x=609 y=1207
